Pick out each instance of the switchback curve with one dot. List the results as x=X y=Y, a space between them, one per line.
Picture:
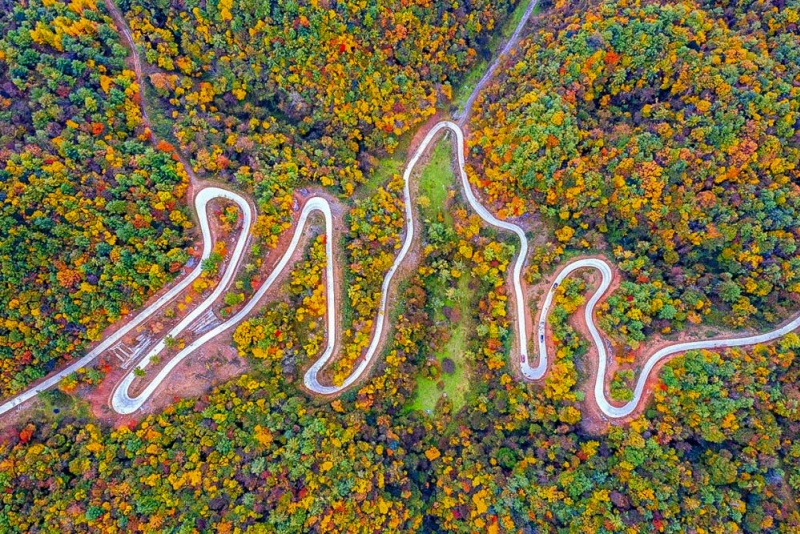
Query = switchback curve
x=201 y=202
x=125 y=404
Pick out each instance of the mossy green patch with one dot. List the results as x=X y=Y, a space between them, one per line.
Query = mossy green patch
x=436 y=181
x=455 y=384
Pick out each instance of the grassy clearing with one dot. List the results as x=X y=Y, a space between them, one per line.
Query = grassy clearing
x=468 y=83
x=437 y=177
x=456 y=385
x=436 y=181
x=54 y=405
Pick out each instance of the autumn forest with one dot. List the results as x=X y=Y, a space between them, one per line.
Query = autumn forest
x=436 y=196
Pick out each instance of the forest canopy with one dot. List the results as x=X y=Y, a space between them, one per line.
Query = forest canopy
x=92 y=217
x=277 y=95
x=664 y=133
x=669 y=131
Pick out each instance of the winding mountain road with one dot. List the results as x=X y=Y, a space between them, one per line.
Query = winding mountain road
x=200 y=203
x=538 y=371
x=123 y=402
